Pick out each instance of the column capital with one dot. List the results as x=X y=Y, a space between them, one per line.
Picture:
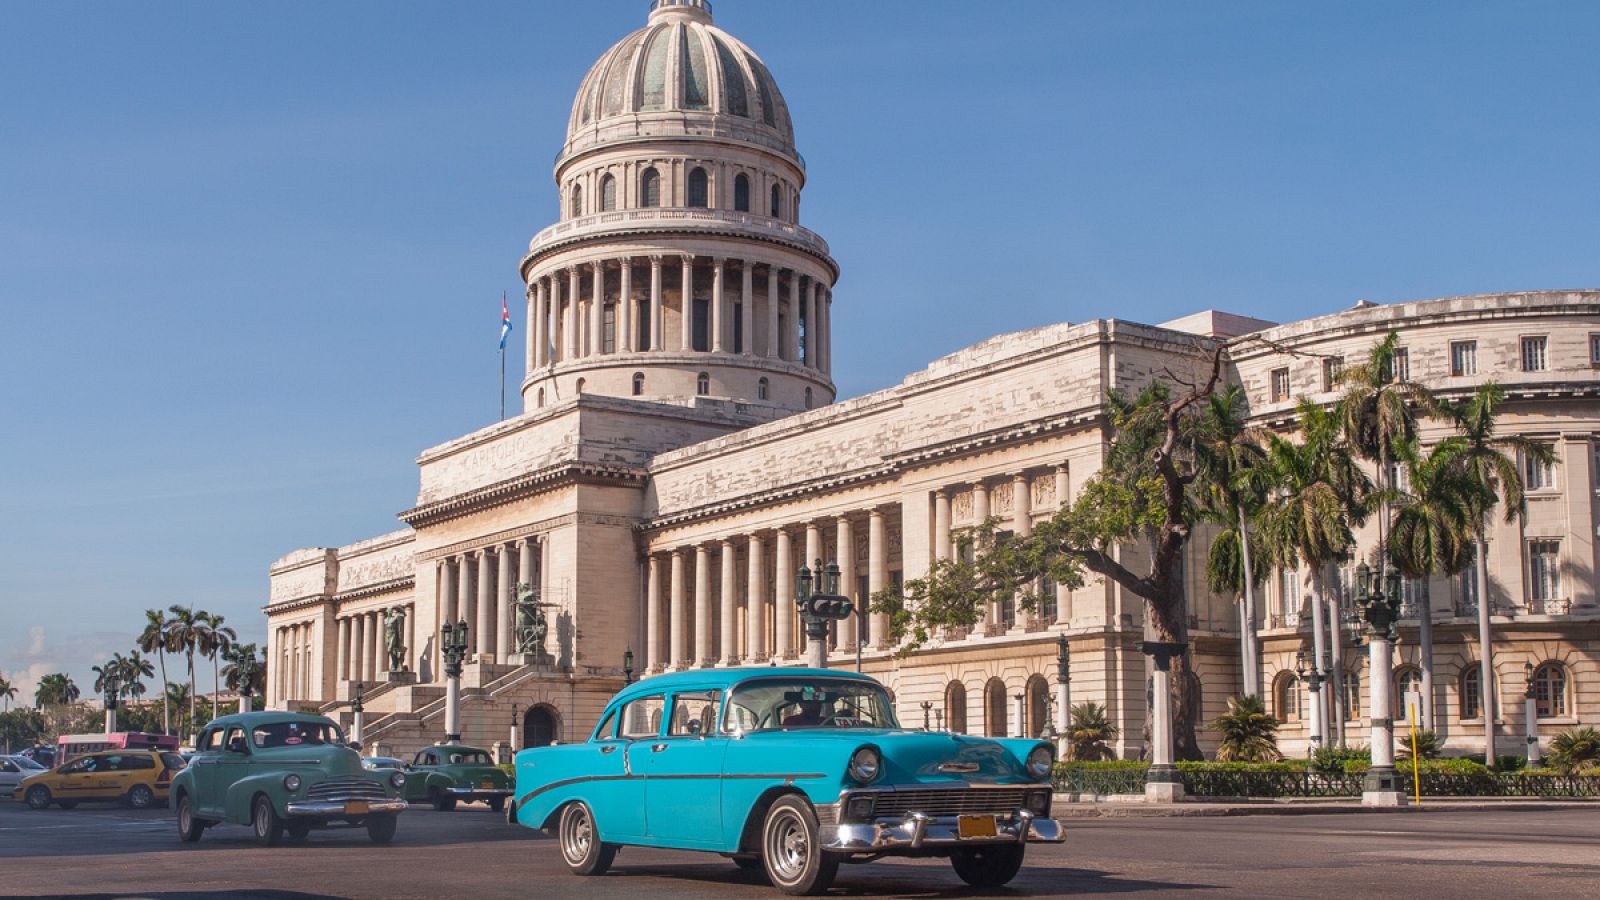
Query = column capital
x=941 y=493
x=656 y=259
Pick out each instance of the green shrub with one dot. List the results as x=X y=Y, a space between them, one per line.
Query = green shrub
x=1090 y=733
x=1101 y=765
x=1292 y=767
x=1248 y=733
x=1428 y=745
x=1510 y=763
x=1335 y=760
x=1575 y=751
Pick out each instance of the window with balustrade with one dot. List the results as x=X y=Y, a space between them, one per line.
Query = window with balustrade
x=1550 y=690
x=608 y=193
x=1466 y=585
x=1538 y=474
x=1544 y=572
x=1288 y=590
x=699 y=189
x=741 y=193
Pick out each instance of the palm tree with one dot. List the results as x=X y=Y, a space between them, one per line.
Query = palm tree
x=180 y=696
x=154 y=640
x=8 y=692
x=215 y=639
x=183 y=634
x=1575 y=750
x=135 y=669
x=1492 y=462
x=1248 y=733
x=1236 y=483
x=1378 y=412
x=56 y=690
x=234 y=672
x=1321 y=495
x=1091 y=733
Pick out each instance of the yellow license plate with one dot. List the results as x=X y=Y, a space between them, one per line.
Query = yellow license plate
x=486 y=785
x=361 y=808
x=976 y=826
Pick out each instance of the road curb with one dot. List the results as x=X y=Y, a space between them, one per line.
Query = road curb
x=1069 y=810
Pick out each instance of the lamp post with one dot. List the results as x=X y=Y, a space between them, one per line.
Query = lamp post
x=927 y=709
x=627 y=666
x=938 y=719
x=1063 y=691
x=113 y=691
x=1530 y=700
x=819 y=608
x=515 y=721
x=1162 y=784
x=453 y=644
x=246 y=668
x=358 y=726
x=1306 y=667
x=1378 y=595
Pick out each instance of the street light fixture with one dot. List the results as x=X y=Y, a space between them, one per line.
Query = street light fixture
x=453 y=644
x=113 y=686
x=358 y=727
x=1378 y=597
x=1531 y=715
x=1063 y=695
x=627 y=666
x=818 y=609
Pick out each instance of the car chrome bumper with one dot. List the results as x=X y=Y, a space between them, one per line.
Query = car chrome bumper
x=335 y=808
x=916 y=832
x=478 y=792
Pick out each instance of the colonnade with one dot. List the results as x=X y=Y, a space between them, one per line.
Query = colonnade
x=565 y=322
x=362 y=654
x=296 y=664
x=479 y=587
x=1019 y=520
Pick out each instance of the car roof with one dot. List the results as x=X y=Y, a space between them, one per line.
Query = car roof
x=458 y=747
x=251 y=719
x=725 y=678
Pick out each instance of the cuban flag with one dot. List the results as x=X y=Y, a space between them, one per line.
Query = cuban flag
x=505 y=320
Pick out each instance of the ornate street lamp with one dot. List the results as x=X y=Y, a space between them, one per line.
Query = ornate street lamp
x=627 y=666
x=818 y=609
x=453 y=644
x=358 y=725
x=1063 y=693
x=1305 y=665
x=113 y=686
x=515 y=722
x=1378 y=596
x=927 y=708
x=1530 y=701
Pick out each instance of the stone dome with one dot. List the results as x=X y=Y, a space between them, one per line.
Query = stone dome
x=680 y=75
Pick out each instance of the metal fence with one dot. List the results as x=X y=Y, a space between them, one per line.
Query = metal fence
x=1119 y=780
x=1239 y=783
x=1235 y=783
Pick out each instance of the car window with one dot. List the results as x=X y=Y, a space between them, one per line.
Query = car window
x=468 y=758
x=108 y=764
x=26 y=763
x=607 y=728
x=172 y=761
x=137 y=763
x=7 y=765
x=233 y=740
x=694 y=713
x=295 y=734
x=809 y=703
x=421 y=759
x=211 y=740
x=641 y=718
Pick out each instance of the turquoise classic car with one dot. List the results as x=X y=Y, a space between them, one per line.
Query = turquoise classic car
x=793 y=771
x=447 y=774
x=283 y=773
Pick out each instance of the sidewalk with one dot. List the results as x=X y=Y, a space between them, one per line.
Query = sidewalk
x=1133 y=807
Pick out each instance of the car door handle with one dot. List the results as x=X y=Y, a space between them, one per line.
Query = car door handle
x=657 y=748
x=610 y=749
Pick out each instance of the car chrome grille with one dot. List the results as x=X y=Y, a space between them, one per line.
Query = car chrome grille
x=346 y=790
x=946 y=802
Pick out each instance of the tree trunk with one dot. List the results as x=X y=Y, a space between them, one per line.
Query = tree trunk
x=216 y=684
x=1319 y=646
x=1336 y=688
x=1487 y=694
x=1169 y=623
x=191 y=690
x=166 y=710
x=1425 y=646
x=1250 y=641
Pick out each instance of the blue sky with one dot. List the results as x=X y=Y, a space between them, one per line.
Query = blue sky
x=251 y=256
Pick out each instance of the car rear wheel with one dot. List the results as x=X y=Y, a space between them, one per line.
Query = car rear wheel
x=265 y=823
x=498 y=804
x=38 y=797
x=141 y=797
x=988 y=866
x=581 y=847
x=189 y=827
x=441 y=801
x=381 y=828
x=795 y=861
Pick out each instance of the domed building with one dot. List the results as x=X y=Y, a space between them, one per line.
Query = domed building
x=680 y=454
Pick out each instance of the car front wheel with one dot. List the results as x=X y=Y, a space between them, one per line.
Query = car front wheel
x=141 y=797
x=381 y=828
x=795 y=861
x=38 y=797
x=441 y=801
x=988 y=866
x=189 y=827
x=265 y=823
x=581 y=848
x=498 y=804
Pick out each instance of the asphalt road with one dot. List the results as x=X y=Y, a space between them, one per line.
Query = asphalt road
x=106 y=851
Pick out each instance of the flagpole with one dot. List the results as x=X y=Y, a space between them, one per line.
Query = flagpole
x=502 y=381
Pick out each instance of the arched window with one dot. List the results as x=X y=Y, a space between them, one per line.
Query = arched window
x=808 y=398
x=1471 y=693
x=1406 y=681
x=955 y=707
x=638 y=384
x=741 y=193
x=650 y=188
x=581 y=383
x=608 y=193
x=1550 y=690
x=699 y=189
x=577 y=201
x=761 y=389
x=994 y=708
x=1038 y=706
x=702 y=384
x=1286 y=697
x=777 y=203
x=541 y=398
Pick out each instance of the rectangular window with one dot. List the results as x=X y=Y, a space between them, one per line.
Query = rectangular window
x=1289 y=597
x=1544 y=570
x=1471 y=701
x=1594 y=350
x=1467 y=585
x=1402 y=364
x=1534 y=357
x=700 y=333
x=1280 y=385
x=1399 y=476
x=642 y=333
x=1048 y=608
x=609 y=342
x=694 y=713
x=1538 y=474
x=1463 y=358
x=738 y=328
x=1332 y=371
x=641 y=718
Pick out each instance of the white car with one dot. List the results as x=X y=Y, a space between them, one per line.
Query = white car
x=13 y=769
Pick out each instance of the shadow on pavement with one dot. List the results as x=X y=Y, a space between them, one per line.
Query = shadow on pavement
x=198 y=895
x=924 y=880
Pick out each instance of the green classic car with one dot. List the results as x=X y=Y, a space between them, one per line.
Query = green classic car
x=282 y=773
x=447 y=774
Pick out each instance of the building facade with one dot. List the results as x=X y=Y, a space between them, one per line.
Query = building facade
x=680 y=455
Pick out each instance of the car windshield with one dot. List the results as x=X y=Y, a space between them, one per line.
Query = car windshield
x=808 y=703
x=295 y=734
x=467 y=758
x=26 y=763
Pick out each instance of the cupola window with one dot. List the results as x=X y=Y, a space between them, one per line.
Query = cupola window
x=777 y=203
x=741 y=193
x=650 y=188
x=638 y=384
x=699 y=189
x=577 y=201
x=702 y=384
x=608 y=194
x=762 y=387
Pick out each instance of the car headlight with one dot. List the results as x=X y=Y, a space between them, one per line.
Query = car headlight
x=291 y=783
x=865 y=765
x=1041 y=760
x=397 y=780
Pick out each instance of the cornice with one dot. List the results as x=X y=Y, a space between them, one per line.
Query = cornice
x=404 y=582
x=580 y=239
x=541 y=481
x=299 y=603
x=536 y=529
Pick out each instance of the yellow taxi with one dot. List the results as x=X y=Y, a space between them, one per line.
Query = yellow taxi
x=138 y=778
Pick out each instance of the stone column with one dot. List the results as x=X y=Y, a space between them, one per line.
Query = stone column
x=625 y=308
x=658 y=318
x=451 y=584
x=980 y=513
x=844 y=536
x=808 y=353
x=1162 y=783
x=827 y=331
x=527 y=573
x=675 y=650
x=411 y=639
x=791 y=336
x=1063 y=500
x=718 y=303
x=814 y=327
x=652 y=617
x=783 y=605
x=483 y=638
x=941 y=524
x=877 y=574
x=813 y=549
x=686 y=325
x=1021 y=506
x=702 y=606
x=358 y=659
x=597 y=312
x=532 y=356
x=344 y=649
x=570 y=318
x=774 y=339
x=1382 y=787
x=755 y=618
x=503 y=595
x=728 y=652
x=747 y=322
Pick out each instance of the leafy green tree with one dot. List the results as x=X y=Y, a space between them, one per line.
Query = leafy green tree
x=21 y=728
x=1090 y=735
x=1248 y=734
x=1433 y=526
x=1575 y=750
x=213 y=639
x=153 y=639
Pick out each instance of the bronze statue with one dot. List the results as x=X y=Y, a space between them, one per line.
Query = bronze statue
x=394 y=628
x=532 y=627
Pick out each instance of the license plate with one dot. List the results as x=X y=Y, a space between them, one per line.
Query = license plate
x=976 y=826
x=361 y=808
x=486 y=785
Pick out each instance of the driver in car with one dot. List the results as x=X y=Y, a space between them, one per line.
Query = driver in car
x=809 y=714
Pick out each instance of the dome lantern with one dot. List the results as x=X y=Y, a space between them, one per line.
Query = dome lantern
x=698 y=10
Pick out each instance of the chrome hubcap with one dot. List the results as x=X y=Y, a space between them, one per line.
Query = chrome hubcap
x=579 y=835
x=787 y=846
